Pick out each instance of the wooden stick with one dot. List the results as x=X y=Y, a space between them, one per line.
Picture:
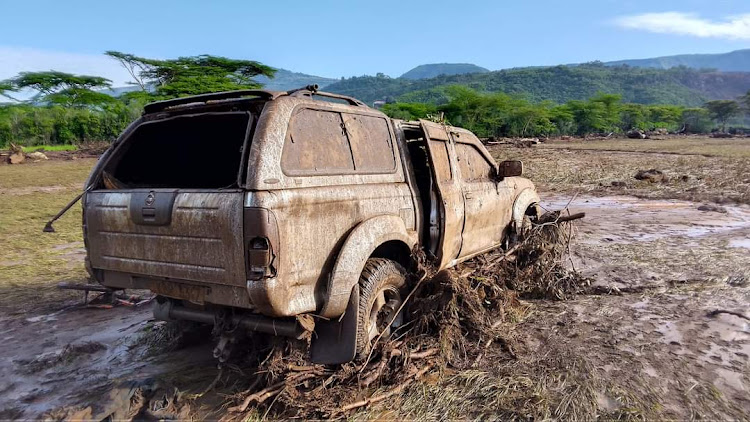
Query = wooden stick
x=423 y=354
x=271 y=391
x=399 y=388
x=374 y=375
x=293 y=367
x=571 y=217
x=249 y=399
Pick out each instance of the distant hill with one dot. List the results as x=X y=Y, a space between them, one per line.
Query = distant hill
x=680 y=86
x=734 y=61
x=284 y=80
x=426 y=71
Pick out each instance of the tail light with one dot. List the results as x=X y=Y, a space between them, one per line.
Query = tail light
x=261 y=235
x=259 y=258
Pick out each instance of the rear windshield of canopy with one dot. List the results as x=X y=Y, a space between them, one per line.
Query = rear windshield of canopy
x=201 y=151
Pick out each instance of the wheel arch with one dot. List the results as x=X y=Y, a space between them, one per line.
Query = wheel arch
x=528 y=198
x=382 y=236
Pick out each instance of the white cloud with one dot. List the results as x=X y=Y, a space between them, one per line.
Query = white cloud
x=732 y=27
x=22 y=59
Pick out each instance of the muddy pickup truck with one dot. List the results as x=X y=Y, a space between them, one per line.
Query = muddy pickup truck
x=254 y=208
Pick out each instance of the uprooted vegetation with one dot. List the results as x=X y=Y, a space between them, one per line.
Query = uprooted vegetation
x=458 y=354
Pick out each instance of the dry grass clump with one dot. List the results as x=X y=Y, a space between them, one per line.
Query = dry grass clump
x=718 y=179
x=685 y=145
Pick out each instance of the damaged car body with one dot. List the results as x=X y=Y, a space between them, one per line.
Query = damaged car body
x=254 y=208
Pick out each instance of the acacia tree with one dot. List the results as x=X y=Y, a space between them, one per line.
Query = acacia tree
x=722 y=111
x=5 y=88
x=63 y=88
x=191 y=75
x=134 y=65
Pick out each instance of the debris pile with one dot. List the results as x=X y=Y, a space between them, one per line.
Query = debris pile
x=652 y=176
x=636 y=134
x=516 y=142
x=16 y=155
x=459 y=320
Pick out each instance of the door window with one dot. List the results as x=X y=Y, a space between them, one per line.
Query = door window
x=322 y=142
x=472 y=164
x=316 y=143
x=371 y=144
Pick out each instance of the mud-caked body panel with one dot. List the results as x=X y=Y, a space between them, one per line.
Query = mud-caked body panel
x=198 y=243
x=313 y=224
x=317 y=208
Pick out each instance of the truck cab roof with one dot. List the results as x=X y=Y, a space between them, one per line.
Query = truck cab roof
x=239 y=96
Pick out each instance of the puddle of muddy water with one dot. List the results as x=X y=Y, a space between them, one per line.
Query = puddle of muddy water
x=670 y=333
x=740 y=243
x=630 y=219
x=75 y=356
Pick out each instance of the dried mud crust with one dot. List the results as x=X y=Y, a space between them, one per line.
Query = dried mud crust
x=659 y=354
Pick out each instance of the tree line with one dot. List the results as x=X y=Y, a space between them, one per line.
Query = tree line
x=72 y=109
x=501 y=115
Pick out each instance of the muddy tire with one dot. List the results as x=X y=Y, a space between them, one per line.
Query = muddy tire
x=381 y=292
x=520 y=233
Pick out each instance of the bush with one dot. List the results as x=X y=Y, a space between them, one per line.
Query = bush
x=56 y=125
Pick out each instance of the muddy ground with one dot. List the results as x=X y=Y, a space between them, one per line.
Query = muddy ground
x=642 y=343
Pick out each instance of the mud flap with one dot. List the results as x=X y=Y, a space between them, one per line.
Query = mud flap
x=335 y=341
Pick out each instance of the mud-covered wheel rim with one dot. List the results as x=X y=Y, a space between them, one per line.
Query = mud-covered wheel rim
x=387 y=302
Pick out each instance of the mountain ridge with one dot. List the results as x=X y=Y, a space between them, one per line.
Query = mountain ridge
x=431 y=70
x=733 y=61
x=679 y=86
x=679 y=79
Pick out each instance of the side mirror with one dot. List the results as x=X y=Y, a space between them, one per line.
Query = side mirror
x=510 y=168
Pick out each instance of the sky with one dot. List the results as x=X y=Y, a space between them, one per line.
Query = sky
x=353 y=38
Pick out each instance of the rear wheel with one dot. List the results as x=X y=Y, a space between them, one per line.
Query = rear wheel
x=381 y=285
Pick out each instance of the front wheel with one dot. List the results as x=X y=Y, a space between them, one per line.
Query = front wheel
x=381 y=285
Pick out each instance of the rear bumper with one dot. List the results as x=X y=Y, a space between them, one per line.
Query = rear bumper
x=217 y=294
x=268 y=296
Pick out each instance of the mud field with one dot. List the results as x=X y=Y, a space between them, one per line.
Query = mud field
x=661 y=332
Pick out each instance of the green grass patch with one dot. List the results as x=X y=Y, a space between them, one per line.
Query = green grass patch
x=30 y=257
x=50 y=148
x=33 y=262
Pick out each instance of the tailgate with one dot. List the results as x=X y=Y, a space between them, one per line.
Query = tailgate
x=198 y=236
